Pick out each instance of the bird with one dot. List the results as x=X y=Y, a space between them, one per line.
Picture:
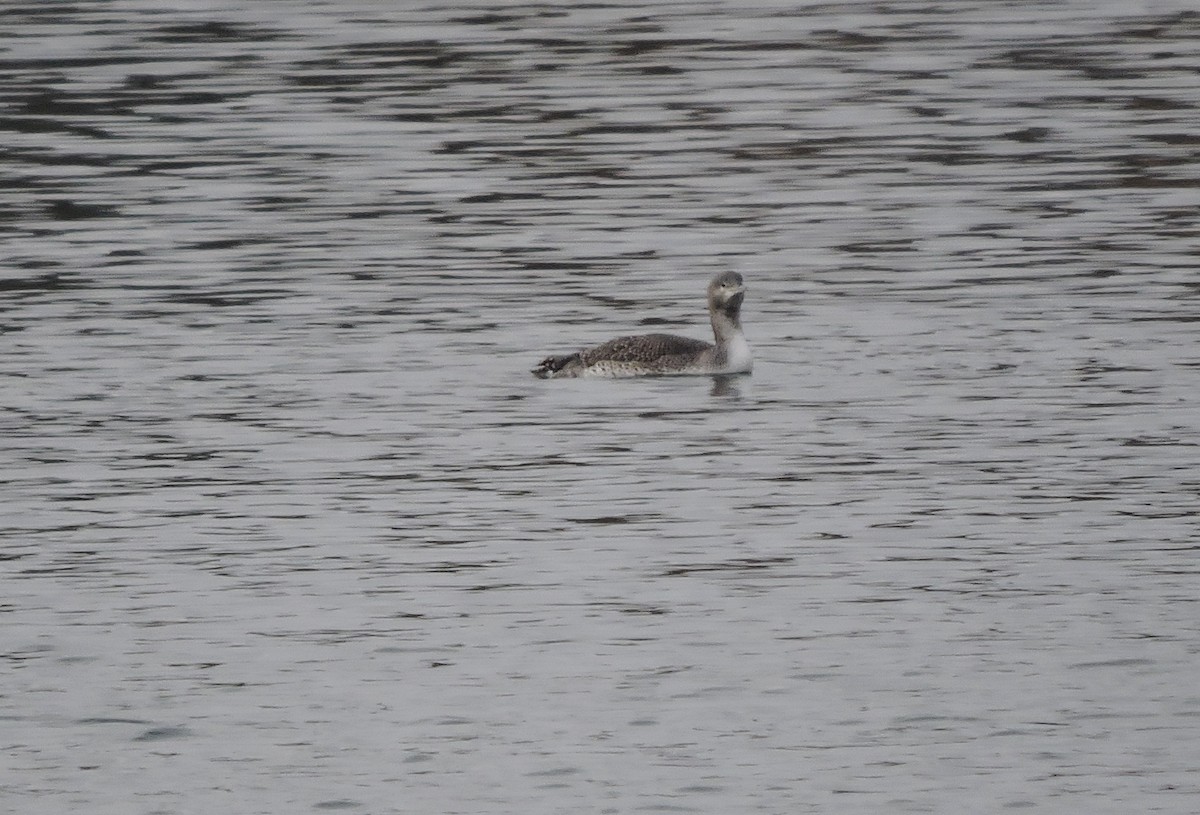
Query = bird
x=668 y=354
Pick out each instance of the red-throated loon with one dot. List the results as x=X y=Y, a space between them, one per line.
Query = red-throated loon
x=663 y=354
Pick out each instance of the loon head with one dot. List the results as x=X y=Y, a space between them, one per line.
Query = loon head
x=725 y=294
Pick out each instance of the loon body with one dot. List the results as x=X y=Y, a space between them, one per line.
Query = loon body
x=667 y=354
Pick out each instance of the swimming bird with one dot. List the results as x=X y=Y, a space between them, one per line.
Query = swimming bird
x=668 y=354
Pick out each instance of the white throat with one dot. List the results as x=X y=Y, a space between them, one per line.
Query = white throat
x=738 y=357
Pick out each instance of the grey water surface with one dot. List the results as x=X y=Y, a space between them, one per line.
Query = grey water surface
x=289 y=527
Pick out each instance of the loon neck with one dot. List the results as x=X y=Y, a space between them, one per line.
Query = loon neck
x=727 y=326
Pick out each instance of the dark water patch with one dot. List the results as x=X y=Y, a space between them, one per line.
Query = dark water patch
x=213 y=31
x=328 y=80
x=656 y=45
x=611 y=520
x=1031 y=135
x=1156 y=103
x=28 y=124
x=785 y=151
x=279 y=203
x=223 y=243
x=182 y=98
x=156 y=734
x=836 y=39
x=735 y=565
x=498 y=587
x=54 y=281
x=65 y=210
x=1114 y=663
x=1182 y=24
x=492 y=18
x=426 y=53
x=54 y=102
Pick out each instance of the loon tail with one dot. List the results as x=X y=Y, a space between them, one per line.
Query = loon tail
x=550 y=366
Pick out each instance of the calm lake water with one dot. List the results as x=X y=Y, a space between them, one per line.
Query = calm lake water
x=289 y=527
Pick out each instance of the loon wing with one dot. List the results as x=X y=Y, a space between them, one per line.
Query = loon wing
x=643 y=348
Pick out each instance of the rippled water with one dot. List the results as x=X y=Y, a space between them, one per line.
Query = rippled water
x=289 y=526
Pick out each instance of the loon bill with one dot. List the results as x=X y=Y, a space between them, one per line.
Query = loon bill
x=668 y=354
